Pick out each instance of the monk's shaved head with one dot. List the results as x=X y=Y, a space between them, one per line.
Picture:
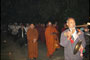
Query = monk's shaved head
x=49 y=23
x=32 y=26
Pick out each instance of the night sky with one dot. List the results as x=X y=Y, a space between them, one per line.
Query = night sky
x=43 y=10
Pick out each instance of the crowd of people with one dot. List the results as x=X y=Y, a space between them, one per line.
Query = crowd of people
x=15 y=28
x=29 y=34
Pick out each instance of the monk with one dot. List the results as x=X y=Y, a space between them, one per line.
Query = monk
x=32 y=37
x=51 y=37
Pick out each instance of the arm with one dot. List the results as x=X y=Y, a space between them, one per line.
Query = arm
x=82 y=45
x=83 y=40
x=36 y=36
x=63 y=40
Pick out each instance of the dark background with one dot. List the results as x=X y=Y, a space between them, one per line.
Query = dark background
x=43 y=10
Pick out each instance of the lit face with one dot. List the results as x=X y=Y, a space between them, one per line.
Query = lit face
x=49 y=23
x=32 y=26
x=71 y=23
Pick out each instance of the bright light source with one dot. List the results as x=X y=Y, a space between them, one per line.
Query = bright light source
x=88 y=23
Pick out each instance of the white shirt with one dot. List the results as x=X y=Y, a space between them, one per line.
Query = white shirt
x=26 y=29
x=74 y=34
x=22 y=33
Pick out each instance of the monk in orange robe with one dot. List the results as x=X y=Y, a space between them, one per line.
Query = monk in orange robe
x=32 y=37
x=51 y=37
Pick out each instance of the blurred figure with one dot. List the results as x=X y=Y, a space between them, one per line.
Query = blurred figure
x=87 y=39
x=32 y=37
x=56 y=26
x=21 y=35
x=82 y=29
x=14 y=31
x=26 y=28
x=9 y=28
x=69 y=39
x=38 y=27
x=64 y=28
x=42 y=33
x=51 y=38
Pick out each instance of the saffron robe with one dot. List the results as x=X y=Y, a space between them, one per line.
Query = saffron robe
x=50 y=39
x=32 y=47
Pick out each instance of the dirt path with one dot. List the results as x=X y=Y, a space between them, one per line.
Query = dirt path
x=11 y=50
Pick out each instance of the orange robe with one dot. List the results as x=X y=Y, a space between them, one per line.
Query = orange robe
x=50 y=39
x=32 y=47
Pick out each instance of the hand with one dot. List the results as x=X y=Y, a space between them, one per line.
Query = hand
x=81 y=47
x=34 y=40
x=81 y=55
x=69 y=33
x=81 y=51
x=79 y=33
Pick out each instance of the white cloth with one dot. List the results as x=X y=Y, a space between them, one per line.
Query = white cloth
x=14 y=29
x=26 y=29
x=22 y=33
x=75 y=35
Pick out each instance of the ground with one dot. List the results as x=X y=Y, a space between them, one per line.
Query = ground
x=11 y=50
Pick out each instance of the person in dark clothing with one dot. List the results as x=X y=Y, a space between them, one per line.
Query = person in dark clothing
x=22 y=36
x=87 y=39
